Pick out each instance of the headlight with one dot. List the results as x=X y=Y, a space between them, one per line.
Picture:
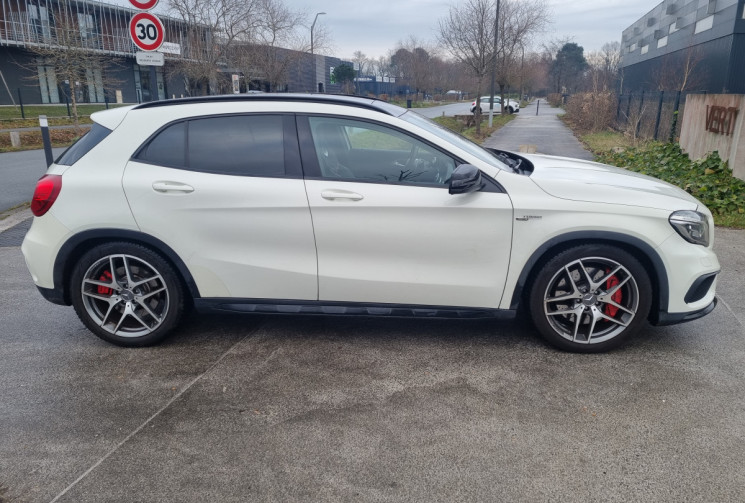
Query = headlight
x=692 y=226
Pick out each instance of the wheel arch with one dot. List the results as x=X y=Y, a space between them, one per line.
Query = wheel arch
x=80 y=243
x=641 y=250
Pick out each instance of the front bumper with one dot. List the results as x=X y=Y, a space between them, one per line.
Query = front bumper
x=664 y=318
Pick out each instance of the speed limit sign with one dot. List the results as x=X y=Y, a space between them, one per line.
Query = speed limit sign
x=146 y=31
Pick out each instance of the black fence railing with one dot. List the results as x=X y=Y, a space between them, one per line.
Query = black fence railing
x=655 y=115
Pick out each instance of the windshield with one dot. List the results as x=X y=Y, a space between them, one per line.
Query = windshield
x=454 y=138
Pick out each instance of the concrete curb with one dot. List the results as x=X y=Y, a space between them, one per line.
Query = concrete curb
x=13 y=217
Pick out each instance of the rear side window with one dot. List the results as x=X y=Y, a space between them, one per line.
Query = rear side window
x=81 y=147
x=245 y=145
x=168 y=148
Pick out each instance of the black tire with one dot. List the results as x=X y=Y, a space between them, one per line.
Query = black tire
x=126 y=294
x=593 y=311
x=511 y=110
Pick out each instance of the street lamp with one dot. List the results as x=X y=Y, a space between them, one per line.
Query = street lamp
x=311 y=29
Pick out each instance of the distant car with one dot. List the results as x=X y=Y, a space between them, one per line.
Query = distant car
x=511 y=107
x=337 y=205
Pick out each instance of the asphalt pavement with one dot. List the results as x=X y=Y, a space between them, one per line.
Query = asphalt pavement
x=19 y=172
x=251 y=408
x=539 y=125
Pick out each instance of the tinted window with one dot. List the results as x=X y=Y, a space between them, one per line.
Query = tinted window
x=168 y=148
x=362 y=151
x=237 y=145
x=81 y=147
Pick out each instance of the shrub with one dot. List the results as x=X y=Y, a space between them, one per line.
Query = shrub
x=555 y=99
x=591 y=112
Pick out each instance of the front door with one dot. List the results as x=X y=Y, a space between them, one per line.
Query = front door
x=386 y=228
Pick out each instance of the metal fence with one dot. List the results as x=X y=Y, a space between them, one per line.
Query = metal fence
x=653 y=115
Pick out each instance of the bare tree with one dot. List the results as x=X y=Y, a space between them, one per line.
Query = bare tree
x=518 y=23
x=70 y=51
x=213 y=27
x=468 y=34
x=603 y=67
x=275 y=32
x=677 y=71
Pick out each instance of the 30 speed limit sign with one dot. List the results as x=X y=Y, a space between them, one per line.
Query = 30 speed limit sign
x=146 y=31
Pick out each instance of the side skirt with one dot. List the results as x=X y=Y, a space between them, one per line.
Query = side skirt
x=307 y=307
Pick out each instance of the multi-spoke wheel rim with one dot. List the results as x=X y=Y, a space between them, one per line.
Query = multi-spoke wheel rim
x=125 y=295
x=591 y=300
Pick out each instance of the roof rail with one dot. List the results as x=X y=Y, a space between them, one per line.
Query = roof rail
x=340 y=99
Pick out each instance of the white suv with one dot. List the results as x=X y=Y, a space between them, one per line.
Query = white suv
x=512 y=106
x=316 y=204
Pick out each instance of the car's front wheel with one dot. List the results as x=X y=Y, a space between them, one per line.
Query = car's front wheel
x=590 y=298
x=126 y=294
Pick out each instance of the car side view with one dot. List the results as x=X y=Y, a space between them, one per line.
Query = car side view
x=338 y=205
x=511 y=106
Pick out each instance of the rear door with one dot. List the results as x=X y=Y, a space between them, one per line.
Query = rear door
x=226 y=193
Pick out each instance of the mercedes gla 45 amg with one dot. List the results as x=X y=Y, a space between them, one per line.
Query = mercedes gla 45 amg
x=316 y=204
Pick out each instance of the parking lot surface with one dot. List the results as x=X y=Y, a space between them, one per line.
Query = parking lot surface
x=247 y=408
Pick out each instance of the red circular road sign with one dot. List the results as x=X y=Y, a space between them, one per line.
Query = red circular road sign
x=147 y=31
x=144 y=4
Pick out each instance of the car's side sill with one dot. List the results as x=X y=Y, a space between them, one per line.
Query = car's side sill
x=261 y=306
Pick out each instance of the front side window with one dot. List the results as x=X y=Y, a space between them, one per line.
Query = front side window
x=361 y=151
x=245 y=145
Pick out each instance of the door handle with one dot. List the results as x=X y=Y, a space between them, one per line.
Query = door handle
x=165 y=187
x=334 y=194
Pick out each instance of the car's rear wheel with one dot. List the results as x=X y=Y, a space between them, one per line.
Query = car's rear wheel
x=126 y=294
x=590 y=298
x=511 y=110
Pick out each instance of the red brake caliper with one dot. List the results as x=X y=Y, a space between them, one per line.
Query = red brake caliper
x=106 y=276
x=616 y=297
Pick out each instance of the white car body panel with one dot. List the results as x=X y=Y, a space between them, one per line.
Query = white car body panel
x=411 y=244
x=240 y=236
x=289 y=238
x=578 y=180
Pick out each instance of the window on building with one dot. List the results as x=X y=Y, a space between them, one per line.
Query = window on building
x=87 y=29
x=705 y=24
x=662 y=42
x=645 y=49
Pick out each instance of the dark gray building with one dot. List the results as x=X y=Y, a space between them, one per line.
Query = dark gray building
x=103 y=28
x=697 y=42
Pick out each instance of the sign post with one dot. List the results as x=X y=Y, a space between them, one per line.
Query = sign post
x=147 y=33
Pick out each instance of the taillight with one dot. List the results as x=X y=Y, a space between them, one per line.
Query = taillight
x=47 y=190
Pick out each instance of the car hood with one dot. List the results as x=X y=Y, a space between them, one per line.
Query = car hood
x=580 y=180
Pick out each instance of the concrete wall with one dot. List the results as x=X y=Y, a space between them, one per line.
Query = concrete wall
x=714 y=122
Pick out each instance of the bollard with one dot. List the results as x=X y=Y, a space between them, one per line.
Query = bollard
x=20 y=102
x=408 y=103
x=44 y=124
x=537 y=106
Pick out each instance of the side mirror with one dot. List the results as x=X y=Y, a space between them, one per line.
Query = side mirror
x=466 y=178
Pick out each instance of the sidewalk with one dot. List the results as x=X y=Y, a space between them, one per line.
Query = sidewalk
x=545 y=131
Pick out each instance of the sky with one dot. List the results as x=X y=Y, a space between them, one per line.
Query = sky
x=376 y=26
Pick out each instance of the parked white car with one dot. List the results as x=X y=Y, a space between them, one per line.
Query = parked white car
x=512 y=106
x=317 y=204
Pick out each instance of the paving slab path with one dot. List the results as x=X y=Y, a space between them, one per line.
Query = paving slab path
x=544 y=130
